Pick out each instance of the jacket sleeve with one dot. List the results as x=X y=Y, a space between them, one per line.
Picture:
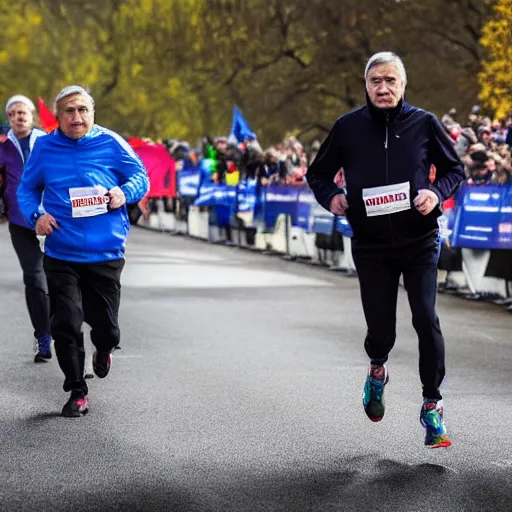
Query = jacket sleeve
x=30 y=190
x=321 y=172
x=135 y=181
x=449 y=168
x=2 y=168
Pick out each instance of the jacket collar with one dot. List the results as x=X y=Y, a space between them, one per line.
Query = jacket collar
x=34 y=134
x=388 y=114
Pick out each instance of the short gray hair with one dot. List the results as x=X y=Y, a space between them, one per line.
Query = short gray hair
x=71 y=90
x=387 y=58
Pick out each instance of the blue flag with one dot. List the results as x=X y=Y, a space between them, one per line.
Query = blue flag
x=239 y=128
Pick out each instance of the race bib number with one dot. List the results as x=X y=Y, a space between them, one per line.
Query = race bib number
x=387 y=200
x=88 y=201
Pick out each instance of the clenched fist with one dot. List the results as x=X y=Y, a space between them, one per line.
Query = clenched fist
x=425 y=201
x=338 y=204
x=117 y=198
x=45 y=224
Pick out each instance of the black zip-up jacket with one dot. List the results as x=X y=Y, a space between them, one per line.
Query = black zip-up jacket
x=378 y=147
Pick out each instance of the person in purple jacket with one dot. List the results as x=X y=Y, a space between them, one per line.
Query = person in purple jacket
x=386 y=149
x=14 y=153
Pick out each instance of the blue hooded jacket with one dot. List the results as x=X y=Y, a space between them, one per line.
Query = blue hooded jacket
x=378 y=148
x=57 y=164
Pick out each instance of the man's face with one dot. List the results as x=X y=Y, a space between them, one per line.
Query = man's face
x=20 y=119
x=75 y=115
x=384 y=86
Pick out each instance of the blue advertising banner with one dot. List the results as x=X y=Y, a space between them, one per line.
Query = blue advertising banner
x=483 y=218
x=188 y=182
x=322 y=220
x=306 y=202
x=279 y=199
x=247 y=196
x=211 y=194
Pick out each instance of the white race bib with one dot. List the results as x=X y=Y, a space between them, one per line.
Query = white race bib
x=388 y=199
x=88 y=201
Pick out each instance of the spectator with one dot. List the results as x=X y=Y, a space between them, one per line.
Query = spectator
x=485 y=136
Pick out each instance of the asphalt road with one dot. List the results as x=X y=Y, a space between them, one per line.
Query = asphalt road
x=238 y=388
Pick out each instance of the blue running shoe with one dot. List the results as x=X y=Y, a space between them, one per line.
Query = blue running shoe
x=373 y=393
x=43 y=351
x=431 y=418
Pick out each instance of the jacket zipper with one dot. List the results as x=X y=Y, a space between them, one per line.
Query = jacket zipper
x=387 y=172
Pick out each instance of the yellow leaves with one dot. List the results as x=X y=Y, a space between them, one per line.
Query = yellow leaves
x=33 y=18
x=496 y=76
x=174 y=88
x=136 y=69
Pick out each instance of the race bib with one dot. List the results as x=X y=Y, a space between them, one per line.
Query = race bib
x=388 y=199
x=88 y=201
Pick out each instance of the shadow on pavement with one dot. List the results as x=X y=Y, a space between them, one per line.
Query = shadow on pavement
x=358 y=484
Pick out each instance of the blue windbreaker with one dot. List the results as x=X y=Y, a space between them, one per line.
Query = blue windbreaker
x=57 y=164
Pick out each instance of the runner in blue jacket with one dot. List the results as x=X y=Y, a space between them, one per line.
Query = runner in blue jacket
x=74 y=190
x=386 y=149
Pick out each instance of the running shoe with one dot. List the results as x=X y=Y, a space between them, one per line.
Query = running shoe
x=43 y=351
x=432 y=420
x=75 y=407
x=101 y=363
x=373 y=393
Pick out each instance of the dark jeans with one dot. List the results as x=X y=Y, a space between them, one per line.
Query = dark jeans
x=81 y=292
x=26 y=246
x=379 y=274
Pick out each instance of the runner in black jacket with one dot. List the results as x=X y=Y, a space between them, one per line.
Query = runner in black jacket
x=386 y=149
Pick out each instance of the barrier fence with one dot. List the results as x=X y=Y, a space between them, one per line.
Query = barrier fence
x=286 y=219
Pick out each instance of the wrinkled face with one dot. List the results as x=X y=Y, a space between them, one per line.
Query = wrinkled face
x=75 y=115
x=21 y=119
x=384 y=86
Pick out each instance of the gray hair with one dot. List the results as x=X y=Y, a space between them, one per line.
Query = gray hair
x=387 y=58
x=19 y=98
x=71 y=90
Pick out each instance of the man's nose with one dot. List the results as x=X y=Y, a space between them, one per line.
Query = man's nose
x=382 y=88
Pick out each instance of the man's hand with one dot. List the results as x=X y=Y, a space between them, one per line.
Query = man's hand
x=143 y=205
x=338 y=204
x=426 y=201
x=117 y=198
x=45 y=224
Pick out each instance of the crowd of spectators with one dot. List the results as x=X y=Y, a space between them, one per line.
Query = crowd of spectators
x=484 y=145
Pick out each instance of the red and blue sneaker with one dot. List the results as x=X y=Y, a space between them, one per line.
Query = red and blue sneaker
x=373 y=392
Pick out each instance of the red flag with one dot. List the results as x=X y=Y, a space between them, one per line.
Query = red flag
x=48 y=121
